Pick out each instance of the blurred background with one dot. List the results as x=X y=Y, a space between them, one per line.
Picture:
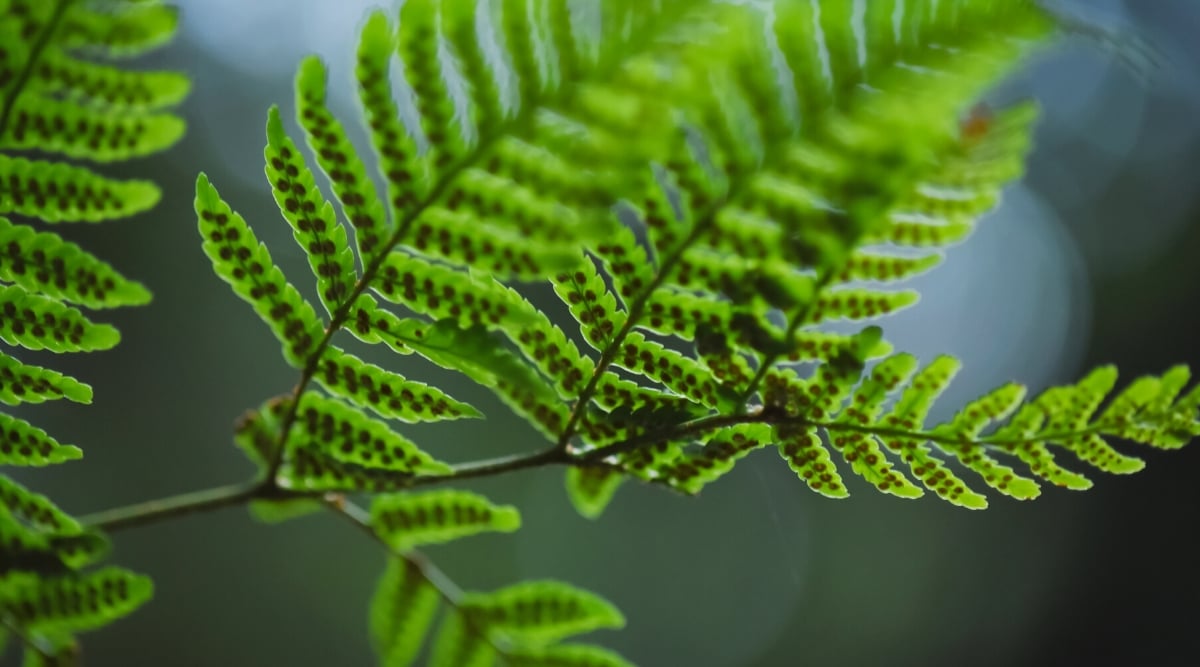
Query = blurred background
x=1093 y=258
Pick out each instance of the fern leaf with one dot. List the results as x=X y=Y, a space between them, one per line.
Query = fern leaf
x=453 y=235
x=350 y=436
x=481 y=75
x=338 y=158
x=127 y=30
x=407 y=180
x=722 y=451
x=540 y=612
x=426 y=67
x=314 y=224
x=74 y=602
x=677 y=372
x=591 y=304
x=808 y=457
x=36 y=322
x=459 y=644
x=35 y=509
x=279 y=511
x=408 y=520
x=58 y=192
x=104 y=86
x=388 y=394
x=479 y=356
x=43 y=263
x=29 y=550
x=401 y=613
x=314 y=462
x=22 y=383
x=85 y=133
x=24 y=444
x=591 y=489
x=240 y=260
x=970 y=422
x=566 y=655
x=858 y=304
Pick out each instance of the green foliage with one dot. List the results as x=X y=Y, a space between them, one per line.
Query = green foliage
x=703 y=184
x=409 y=520
x=60 y=103
x=701 y=200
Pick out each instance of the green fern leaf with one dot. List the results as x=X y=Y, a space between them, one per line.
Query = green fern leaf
x=591 y=489
x=591 y=304
x=36 y=322
x=536 y=613
x=426 y=67
x=22 y=383
x=24 y=444
x=482 y=358
x=29 y=550
x=909 y=413
x=857 y=304
x=389 y=394
x=459 y=644
x=409 y=520
x=58 y=192
x=969 y=423
x=338 y=158
x=674 y=370
x=808 y=457
x=401 y=612
x=35 y=510
x=350 y=436
x=695 y=470
x=406 y=175
x=58 y=74
x=129 y=29
x=43 y=263
x=314 y=223
x=566 y=655
x=74 y=602
x=240 y=260
x=480 y=74
x=48 y=125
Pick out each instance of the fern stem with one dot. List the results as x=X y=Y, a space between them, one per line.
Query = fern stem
x=60 y=10
x=161 y=509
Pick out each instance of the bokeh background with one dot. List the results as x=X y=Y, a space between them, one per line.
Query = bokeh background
x=1093 y=258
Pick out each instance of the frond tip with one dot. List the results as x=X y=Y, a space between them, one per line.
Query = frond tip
x=1150 y=412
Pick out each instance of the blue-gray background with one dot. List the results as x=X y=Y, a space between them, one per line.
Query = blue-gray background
x=1094 y=258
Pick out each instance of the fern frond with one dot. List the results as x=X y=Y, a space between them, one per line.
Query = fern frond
x=24 y=444
x=243 y=262
x=94 y=84
x=43 y=263
x=86 y=133
x=37 y=322
x=22 y=383
x=408 y=520
x=59 y=192
x=35 y=509
x=74 y=602
x=29 y=550
x=127 y=29
x=312 y=218
x=389 y=394
x=1148 y=412
x=540 y=612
